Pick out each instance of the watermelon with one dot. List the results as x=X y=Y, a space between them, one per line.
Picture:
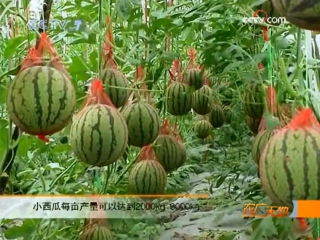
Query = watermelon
x=168 y=152
x=289 y=165
x=96 y=232
x=202 y=128
x=40 y=100
x=147 y=177
x=301 y=13
x=216 y=116
x=179 y=98
x=229 y=114
x=201 y=100
x=115 y=86
x=253 y=103
x=259 y=143
x=207 y=140
x=99 y=135
x=253 y=124
x=143 y=122
x=193 y=77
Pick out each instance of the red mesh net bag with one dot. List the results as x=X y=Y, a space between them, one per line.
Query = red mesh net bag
x=304 y=118
x=146 y=153
x=107 y=50
x=165 y=128
x=96 y=95
x=35 y=56
x=192 y=56
x=173 y=131
x=175 y=71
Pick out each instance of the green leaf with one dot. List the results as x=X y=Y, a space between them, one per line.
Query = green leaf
x=265 y=228
x=12 y=45
x=25 y=230
x=123 y=8
x=220 y=180
x=77 y=66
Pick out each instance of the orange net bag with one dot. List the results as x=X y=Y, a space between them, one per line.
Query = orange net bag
x=35 y=56
x=146 y=153
x=165 y=128
x=304 y=118
x=192 y=56
x=173 y=131
x=107 y=51
x=96 y=95
x=175 y=71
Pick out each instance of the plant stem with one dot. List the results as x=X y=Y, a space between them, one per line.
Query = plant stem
x=285 y=79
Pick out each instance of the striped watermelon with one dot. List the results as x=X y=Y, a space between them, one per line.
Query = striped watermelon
x=201 y=100
x=143 y=122
x=216 y=116
x=253 y=124
x=115 y=85
x=301 y=13
x=289 y=165
x=259 y=143
x=202 y=128
x=253 y=103
x=96 y=232
x=179 y=99
x=168 y=152
x=229 y=114
x=147 y=177
x=40 y=100
x=207 y=140
x=99 y=135
x=193 y=77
